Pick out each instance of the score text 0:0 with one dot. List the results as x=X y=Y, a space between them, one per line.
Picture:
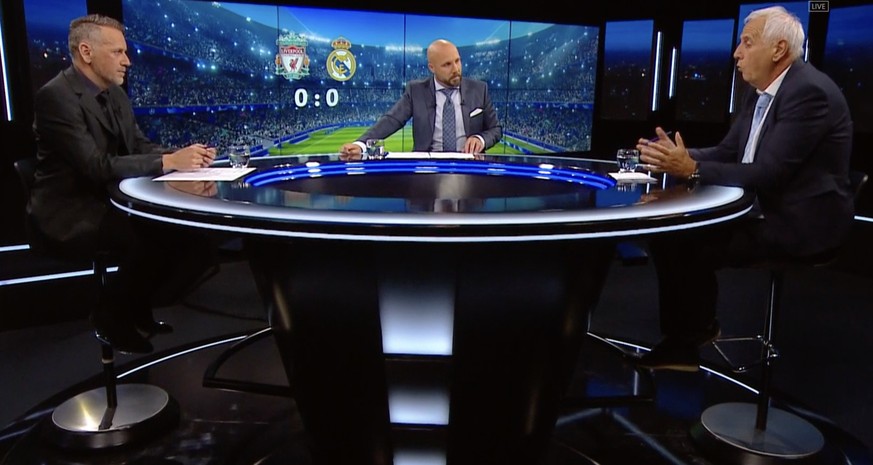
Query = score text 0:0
x=301 y=98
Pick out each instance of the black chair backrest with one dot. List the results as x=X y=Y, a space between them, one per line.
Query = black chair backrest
x=26 y=169
x=857 y=179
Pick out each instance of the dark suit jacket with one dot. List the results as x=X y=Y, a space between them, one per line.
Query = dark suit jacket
x=79 y=155
x=801 y=168
x=419 y=103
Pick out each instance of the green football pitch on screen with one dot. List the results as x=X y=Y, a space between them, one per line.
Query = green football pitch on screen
x=330 y=140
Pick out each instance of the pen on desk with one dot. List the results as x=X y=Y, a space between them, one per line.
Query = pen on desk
x=655 y=139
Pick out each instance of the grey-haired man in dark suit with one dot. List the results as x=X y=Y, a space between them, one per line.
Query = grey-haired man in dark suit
x=790 y=144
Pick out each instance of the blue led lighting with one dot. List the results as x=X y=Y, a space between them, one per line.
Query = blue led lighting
x=316 y=170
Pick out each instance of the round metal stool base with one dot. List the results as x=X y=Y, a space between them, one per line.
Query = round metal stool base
x=728 y=431
x=85 y=422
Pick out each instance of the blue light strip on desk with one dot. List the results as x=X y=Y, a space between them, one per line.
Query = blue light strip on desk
x=316 y=170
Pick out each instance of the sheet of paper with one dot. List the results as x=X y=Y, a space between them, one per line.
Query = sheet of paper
x=407 y=155
x=452 y=155
x=206 y=174
x=429 y=155
x=632 y=176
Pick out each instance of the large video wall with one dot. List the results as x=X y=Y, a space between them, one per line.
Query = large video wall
x=287 y=79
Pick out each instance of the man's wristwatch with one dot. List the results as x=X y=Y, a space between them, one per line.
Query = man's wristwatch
x=694 y=177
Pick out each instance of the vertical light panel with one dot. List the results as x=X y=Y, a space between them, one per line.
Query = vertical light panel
x=7 y=105
x=419 y=457
x=417 y=314
x=673 y=64
x=418 y=405
x=733 y=91
x=656 y=82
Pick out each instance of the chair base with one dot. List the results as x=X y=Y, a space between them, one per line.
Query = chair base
x=85 y=422
x=728 y=431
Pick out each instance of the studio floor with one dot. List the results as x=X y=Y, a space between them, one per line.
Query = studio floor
x=613 y=414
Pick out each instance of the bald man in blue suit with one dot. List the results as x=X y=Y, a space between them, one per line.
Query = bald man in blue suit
x=423 y=101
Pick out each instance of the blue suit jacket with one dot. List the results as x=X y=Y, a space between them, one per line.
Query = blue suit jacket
x=801 y=168
x=419 y=103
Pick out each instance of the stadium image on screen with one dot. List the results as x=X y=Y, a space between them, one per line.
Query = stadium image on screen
x=706 y=66
x=849 y=60
x=627 y=70
x=294 y=80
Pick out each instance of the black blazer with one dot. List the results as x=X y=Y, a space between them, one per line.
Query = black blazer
x=79 y=155
x=801 y=168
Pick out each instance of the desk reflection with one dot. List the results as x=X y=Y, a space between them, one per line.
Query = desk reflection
x=198 y=188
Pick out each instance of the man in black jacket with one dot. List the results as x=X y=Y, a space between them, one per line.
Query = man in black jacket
x=87 y=140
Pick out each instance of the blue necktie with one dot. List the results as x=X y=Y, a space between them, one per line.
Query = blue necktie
x=450 y=142
x=760 y=108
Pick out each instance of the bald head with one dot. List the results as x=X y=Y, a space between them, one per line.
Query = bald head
x=444 y=62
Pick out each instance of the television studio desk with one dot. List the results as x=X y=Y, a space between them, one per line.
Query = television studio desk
x=429 y=308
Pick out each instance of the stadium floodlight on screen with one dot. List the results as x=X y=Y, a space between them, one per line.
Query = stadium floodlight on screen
x=848 y=60
x=302 y=80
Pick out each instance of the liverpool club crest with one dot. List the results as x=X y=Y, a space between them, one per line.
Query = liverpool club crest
x=341 y=63
x=292 y=62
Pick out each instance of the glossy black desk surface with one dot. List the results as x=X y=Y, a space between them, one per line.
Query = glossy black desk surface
x=494 y=198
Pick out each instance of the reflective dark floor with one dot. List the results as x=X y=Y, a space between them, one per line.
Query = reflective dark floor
x=613 y=414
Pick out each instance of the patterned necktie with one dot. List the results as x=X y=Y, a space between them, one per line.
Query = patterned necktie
x=760 y=108
x=449 y=140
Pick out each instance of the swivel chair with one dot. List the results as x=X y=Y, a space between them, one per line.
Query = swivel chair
x=756 y=433
x=112 y=415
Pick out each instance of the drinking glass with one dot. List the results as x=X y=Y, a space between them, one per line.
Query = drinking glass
x=239 y=156
x=375 y=148
x=627 y=159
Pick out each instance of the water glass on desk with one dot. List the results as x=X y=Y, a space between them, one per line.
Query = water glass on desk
x=627 y=160
x=375 y=149
x=239 y=156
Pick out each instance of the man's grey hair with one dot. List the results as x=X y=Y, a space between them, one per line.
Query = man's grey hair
x=779 y=24
x=87 y=27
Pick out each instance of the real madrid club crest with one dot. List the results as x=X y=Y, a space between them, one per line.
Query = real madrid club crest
x=292 y=62
x=341 y=63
